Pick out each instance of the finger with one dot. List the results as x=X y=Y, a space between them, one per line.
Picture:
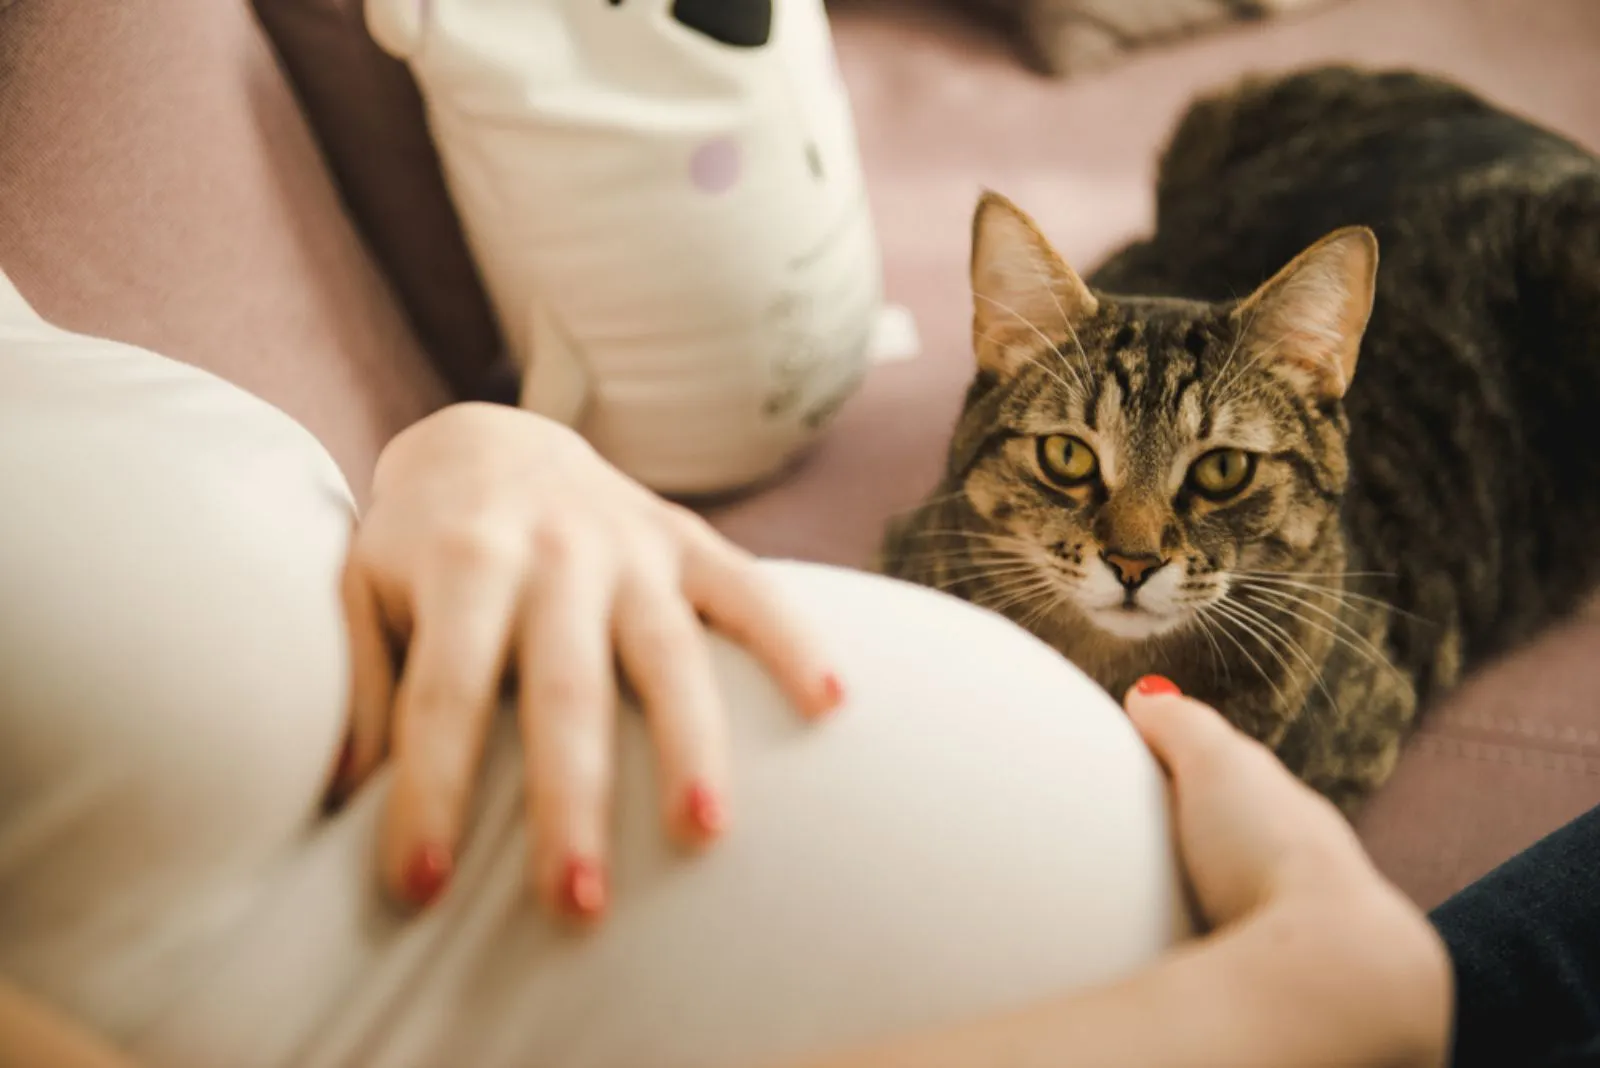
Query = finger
x=464 y=614
x=1190 y=738
x=735 y=597
x=371 y=683
x=1212 y=763
x=663 y=649
x=567 y=698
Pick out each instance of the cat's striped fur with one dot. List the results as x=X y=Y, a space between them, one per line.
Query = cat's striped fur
x=1413 y=514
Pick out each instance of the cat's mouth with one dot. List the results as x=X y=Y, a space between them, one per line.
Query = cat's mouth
x=1132 y=621
x=1144 y=611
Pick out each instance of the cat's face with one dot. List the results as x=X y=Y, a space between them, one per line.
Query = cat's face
x=1139 y=458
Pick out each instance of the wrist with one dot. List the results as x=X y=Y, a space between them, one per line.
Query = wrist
x=1364 y=969
x=1415 y=977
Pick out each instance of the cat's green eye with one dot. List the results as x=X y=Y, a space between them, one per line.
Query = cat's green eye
x=1067 y=461
x=1222 y=473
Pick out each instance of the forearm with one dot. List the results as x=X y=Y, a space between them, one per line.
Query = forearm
x=1289 y=988
x=32 y=1033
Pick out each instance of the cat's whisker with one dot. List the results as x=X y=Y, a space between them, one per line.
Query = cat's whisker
x=983 y=554
x=1293 y=646
x=984 y=572
x=1284 y=597
x=991 y=562
x=979 y=536
x=1204 y=625
x=1220 y=608
x=1224 y=392
x=1360 y=646
x=1013 y=583
x=1053 y=587
x=969 y=552
x=987 y=569
x=1252 y=623
x=1029 y=323
x=1238 y=339
x=1346 y=596
x=1082 y=355
x=1234 y=388
x=955 y=565
x=1066 y=321
x=1315 y=574
x=1043 y=609
x=971 y=558
x=934 y=531
x=970 y=561
x=1051 y=345
x=1020 y=597
x=1048 y=599
x=1004 y=597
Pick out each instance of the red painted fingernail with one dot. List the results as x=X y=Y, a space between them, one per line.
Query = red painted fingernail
x=347 y=759
x=704 y=810
x=583 y=889
x=428 y=874
x=832 y=692
x=1157 y=686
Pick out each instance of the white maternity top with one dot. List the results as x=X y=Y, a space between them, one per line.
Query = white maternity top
x=978 y=827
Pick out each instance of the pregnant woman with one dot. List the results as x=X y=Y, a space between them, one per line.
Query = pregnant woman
x=866 y=823
x=965 y=829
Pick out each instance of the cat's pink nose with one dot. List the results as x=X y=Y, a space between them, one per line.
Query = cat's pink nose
x=1132 y=569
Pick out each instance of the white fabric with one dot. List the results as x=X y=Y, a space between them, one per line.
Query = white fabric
x=978 y=827
x=673 y=230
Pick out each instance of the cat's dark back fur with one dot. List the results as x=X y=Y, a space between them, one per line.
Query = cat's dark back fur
x=1472 y=505
x=1475 y=420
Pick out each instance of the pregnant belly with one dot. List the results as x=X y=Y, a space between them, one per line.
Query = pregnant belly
x=979 y=827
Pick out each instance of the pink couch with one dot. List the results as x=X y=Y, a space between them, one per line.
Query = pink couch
x=161 y=182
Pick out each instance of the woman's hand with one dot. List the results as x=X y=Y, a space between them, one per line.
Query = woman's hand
x=1276 y=866
x=499 y=540
x=1250 y=834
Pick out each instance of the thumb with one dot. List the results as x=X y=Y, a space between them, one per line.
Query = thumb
x=1190 y=739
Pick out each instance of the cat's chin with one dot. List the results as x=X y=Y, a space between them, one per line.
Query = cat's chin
x=1134 y=624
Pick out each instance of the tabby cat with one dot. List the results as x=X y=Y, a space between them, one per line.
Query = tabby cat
x=1179 y=467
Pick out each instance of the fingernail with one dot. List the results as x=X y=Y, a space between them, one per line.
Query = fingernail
x=347 y=759
x=427 y=874
x=583 y=889
x=832 y=692
x=1157 y=686
x=704 y=810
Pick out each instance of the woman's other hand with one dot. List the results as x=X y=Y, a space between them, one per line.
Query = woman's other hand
x=1262 y=850
x=499 y=541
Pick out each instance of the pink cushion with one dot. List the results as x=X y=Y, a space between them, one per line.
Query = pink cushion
x=367 y=114
x=158 y=185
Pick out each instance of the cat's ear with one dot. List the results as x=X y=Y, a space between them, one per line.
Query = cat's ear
x=1307 y=320
x=1020 y=288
